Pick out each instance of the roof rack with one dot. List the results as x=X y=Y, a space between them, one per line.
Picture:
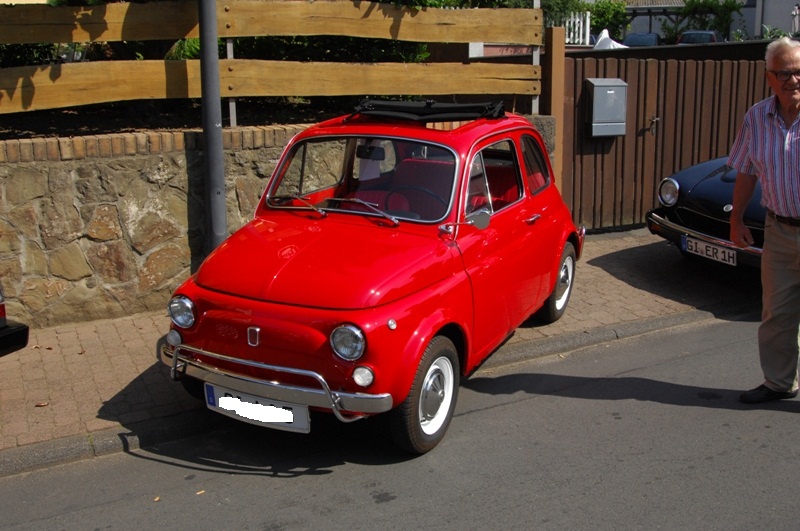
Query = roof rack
x=429 y=111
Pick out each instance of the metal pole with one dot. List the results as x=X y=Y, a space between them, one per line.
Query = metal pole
x=212 y=125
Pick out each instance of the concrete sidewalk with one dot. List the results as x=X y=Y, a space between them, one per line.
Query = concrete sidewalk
x=89 y=389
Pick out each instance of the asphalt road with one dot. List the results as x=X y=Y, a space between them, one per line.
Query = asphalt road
x=645 y=432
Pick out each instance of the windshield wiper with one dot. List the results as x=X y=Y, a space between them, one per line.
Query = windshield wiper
x=298 y=197
x=372 y=206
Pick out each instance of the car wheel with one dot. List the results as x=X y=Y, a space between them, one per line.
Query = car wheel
x=556 y=304
x=194 y=387
x=420 y=422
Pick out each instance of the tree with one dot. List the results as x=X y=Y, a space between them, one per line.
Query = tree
x=610 y=15
x=557 y=11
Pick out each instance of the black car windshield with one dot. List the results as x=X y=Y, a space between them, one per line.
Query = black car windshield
x=377 y=176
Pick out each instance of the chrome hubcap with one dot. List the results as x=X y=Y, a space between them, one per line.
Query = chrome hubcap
x=433 y=395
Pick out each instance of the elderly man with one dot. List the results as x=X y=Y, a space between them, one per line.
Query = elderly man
x=767 y=149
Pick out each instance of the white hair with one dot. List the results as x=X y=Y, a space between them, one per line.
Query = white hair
x=778 y=45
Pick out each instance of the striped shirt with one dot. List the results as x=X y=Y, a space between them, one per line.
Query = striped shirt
x=766 y=148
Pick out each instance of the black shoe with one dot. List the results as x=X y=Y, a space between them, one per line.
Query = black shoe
x=762 y=393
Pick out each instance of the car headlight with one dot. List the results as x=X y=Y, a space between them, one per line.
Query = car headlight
x=348 y=342
x=668 y=192
x=181 y=311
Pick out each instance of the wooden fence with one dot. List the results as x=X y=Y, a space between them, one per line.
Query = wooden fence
x=74 y=84
x=684 y=106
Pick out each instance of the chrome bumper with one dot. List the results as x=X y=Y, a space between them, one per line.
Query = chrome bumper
x=359 y=404
x=675 y=230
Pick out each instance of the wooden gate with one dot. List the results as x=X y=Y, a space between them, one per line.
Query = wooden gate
x=684 y=106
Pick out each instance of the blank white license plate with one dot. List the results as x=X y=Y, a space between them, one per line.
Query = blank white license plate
x=259 y=411
x=710 y=251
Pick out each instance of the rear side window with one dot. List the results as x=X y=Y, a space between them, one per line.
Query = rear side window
x=494 y=178
x=536 y=174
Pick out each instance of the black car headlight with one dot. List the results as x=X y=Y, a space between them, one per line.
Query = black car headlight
x=668 y=192
x=348 y=342
x=181 y=311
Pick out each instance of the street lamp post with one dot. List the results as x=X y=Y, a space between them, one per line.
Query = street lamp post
x=216 y=212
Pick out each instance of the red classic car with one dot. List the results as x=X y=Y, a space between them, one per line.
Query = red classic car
x=386 y=260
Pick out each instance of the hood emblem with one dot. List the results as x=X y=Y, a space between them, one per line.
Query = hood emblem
x=727 y=208
x=253 y=336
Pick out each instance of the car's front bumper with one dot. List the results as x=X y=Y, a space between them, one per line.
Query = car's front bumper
x=13 y=337
x=659 y=225
x=346 y=406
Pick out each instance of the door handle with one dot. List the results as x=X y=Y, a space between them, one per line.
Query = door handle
x=654 y=124
x=533 y=219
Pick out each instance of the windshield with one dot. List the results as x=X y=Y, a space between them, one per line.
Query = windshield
x=377 y=176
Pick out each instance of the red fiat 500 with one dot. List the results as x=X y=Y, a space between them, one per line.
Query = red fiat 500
x=386 y=260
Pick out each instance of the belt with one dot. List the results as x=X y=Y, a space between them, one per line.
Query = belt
x=792 y=222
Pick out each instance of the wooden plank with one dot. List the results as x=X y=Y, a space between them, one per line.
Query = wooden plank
x=74 y=84
x=648 y=179
x=587 y=153
x=568 y=186
x=375 y=20
x=707 y=96
x=611 y=164
x=273 y=78
x=24 y=24
x=688 y=113
x=725 y=126
x=668 y=112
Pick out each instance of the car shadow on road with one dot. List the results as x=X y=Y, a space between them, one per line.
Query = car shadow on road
x=659 y=268
x=621 y=388
x=157 y=418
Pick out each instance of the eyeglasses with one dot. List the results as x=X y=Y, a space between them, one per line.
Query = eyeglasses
x=785 y=75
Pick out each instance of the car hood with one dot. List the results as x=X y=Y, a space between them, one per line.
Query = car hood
x=325 y=263
x=708 y=190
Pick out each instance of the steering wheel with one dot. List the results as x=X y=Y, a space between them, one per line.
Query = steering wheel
x=418 y=189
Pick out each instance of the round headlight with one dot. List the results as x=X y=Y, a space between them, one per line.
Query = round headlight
x=347 y=342
x=668 y=192
x=181 y=311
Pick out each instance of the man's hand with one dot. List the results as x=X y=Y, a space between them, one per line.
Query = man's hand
x=740 y=234
x=742 y=192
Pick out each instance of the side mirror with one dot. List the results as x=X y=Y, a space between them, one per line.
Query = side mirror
x=480 y=219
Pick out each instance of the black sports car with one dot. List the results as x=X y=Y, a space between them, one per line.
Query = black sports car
x=695 y=214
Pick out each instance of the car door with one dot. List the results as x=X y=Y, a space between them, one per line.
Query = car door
x=500 y=259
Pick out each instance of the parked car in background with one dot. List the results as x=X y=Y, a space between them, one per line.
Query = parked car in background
x=695 y=214
x=641 y=39
x=13 y=335
x=387 y=259
x=700 y=37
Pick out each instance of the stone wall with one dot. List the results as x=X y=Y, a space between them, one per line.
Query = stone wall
x=103 y=226
x=98 y=227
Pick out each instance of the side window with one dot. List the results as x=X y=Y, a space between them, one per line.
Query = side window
x=502 y=174
x=536 y=176
x=478 y=194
